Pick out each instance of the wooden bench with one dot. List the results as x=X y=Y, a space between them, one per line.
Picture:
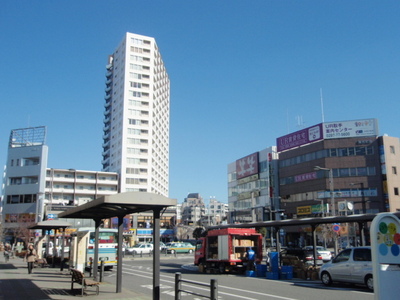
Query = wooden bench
x=79 y=277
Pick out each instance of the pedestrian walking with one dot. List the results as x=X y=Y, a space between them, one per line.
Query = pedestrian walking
x=7 y=252
x=30 y=257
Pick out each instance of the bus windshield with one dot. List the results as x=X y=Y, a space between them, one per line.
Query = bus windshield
x=104 y=237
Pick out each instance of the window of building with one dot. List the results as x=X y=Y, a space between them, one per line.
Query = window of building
x=396 y=191
x=15 y=180
x=394 y=170
x=137 y=85
x=343 y=152
x=360 y=151
x=134 y=131
x=362 y=171
x=136 y=41
x=392 y=150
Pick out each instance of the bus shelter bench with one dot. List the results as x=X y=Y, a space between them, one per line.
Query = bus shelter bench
x=78 y=277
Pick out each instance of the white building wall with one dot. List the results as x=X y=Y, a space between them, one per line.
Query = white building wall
x=24 y=177
x=136 y=137
x=76 y=187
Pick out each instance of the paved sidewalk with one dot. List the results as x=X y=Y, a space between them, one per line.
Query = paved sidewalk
x=51 y=283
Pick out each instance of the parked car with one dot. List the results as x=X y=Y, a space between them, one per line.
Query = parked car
x=352 y=265
x=162 y=245
x=142 y=248
x=306 y=256
x=325 y=253
x=165 y=246
x=180 y=248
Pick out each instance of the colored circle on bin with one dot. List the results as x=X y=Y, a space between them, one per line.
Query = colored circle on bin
x=388 y=240
x=383 y=227
x=380 y=238
x=383 y=249
x=396 y=238
x=395 y=250
x=392 y=228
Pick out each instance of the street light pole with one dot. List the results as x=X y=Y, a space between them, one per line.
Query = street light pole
x=364 y=206
x=331 y=188
x=332 y=192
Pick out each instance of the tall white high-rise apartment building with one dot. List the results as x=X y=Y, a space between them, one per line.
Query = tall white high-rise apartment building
x=136 y=116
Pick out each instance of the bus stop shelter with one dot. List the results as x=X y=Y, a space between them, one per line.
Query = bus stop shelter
x=120 y=205
x=53 y=225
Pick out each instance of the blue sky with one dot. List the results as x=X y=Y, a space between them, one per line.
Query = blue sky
x=242 y=74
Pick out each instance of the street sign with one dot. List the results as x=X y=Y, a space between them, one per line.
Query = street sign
x=336 y=227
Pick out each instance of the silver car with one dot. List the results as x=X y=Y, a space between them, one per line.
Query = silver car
x=325 y=253
x=352 y=265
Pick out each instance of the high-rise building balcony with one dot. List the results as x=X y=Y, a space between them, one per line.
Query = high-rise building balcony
x=106 y=144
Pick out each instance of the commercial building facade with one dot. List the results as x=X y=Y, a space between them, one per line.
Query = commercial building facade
x=336 y=171
x=337 y=168
x=253 y=194
x=136 y=116
x=333 y=168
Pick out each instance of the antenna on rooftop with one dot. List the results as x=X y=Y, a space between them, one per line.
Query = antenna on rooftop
x=322 y=105
x=300 y=122
x=287 y=120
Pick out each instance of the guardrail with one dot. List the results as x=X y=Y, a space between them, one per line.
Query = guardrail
x=178 y=287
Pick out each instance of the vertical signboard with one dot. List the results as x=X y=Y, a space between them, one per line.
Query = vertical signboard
x=385 y=246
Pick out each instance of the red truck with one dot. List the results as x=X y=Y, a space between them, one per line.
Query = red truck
x=224 y=250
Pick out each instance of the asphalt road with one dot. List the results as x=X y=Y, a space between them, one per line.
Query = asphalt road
x=137 y=275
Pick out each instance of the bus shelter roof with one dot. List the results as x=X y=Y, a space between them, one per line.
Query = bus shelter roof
x=118 y=204
x=50 y=224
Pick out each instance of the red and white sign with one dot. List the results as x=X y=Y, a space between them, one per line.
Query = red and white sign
x=247 y=166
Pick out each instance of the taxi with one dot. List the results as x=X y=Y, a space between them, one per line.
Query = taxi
x=179 y=248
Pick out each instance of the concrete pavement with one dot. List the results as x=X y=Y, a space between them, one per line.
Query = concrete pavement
x=51 y=283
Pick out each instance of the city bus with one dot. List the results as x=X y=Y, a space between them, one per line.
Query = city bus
x=108 y=246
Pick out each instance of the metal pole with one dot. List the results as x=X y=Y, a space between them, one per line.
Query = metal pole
x=96 y=248
x=102 y=271
x=119 y=253
x=214 y=289
x=314 y=237
x=62 y=249
x=332 y=192
x=253 y=212
x=156 y=256
x=177 y=286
